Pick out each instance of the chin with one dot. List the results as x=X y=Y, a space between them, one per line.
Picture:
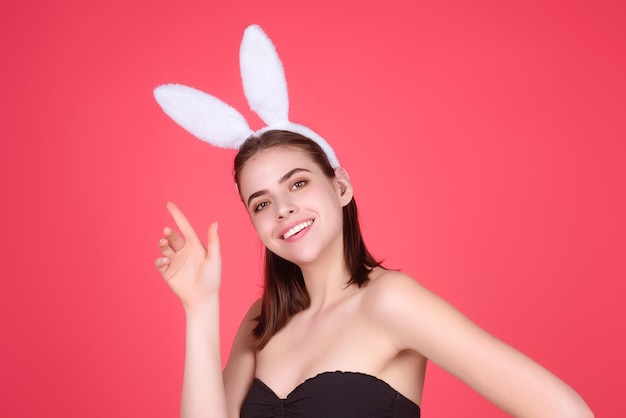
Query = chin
x=299 y=258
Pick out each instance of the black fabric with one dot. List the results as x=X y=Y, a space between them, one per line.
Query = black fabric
x=330 y=395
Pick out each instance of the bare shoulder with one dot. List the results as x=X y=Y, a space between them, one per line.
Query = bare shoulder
x=417 y=319
x=390 y=291
x=254 y=310
x=241 y=364
x=242 y=344
x=244 y=337
x=384 y=281
x=392 y=300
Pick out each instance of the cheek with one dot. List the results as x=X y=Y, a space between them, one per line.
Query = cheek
x=262 y=226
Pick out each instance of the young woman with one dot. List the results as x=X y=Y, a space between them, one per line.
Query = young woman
x=335 y=334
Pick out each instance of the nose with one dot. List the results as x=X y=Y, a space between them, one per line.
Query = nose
x=284 y=208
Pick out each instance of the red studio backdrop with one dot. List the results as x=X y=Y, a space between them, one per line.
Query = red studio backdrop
x=485 y=139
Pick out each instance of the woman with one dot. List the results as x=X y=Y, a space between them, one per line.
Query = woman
x=335 y=334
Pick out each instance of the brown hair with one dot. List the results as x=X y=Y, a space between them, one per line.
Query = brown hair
x=285 y=293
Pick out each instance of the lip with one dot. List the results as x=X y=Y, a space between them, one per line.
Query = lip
x=282 y=233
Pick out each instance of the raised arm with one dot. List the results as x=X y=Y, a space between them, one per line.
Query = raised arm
x=193 y=271
x=417 y=319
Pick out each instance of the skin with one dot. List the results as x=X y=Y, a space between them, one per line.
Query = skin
x=401 y=323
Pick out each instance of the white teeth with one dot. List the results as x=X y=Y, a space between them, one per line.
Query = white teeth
x=297 y=229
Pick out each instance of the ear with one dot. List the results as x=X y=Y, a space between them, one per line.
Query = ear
x=343 y=185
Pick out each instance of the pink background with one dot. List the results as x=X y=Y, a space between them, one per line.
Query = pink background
x=486 y=141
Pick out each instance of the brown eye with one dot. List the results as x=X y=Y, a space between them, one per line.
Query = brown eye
x=260 y=206
x=298 y=184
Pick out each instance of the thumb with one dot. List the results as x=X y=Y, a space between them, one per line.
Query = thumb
x=213 y=242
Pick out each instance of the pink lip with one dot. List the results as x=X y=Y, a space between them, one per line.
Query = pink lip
x=291 y=225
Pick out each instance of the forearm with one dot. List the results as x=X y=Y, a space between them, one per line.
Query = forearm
x=203 y=387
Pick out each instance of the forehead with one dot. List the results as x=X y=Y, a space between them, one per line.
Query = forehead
x=266 y=167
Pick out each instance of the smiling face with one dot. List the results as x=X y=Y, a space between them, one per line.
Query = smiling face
x=294 y=206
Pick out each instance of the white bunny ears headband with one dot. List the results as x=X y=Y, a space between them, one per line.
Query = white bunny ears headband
x=264 y=85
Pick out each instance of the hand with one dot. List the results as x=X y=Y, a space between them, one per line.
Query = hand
x=192 y=270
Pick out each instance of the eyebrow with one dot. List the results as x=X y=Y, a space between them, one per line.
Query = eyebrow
x=283 y=179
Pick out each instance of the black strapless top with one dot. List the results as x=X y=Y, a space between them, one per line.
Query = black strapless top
x=330 y=395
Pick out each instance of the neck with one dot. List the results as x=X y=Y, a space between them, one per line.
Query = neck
x=326 y=279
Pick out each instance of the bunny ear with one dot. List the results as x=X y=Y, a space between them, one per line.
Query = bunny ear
x=265 y=87
x=263 y=77
x=203 y=115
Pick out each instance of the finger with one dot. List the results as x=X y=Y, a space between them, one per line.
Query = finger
x=174 y=240
x=181 y=221
x=166 y=247
x=162 y=264
x=213 y=242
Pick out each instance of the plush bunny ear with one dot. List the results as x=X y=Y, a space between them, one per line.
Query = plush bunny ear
x=203 y=115
x=263 y=77
x=265 y=87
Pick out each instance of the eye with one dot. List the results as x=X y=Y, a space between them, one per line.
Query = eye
x=298 y=184
x=260 y=206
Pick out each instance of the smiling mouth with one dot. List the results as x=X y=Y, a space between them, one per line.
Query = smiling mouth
x=293 y=231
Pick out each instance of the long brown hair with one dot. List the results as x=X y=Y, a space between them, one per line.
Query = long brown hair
x=285 y=293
